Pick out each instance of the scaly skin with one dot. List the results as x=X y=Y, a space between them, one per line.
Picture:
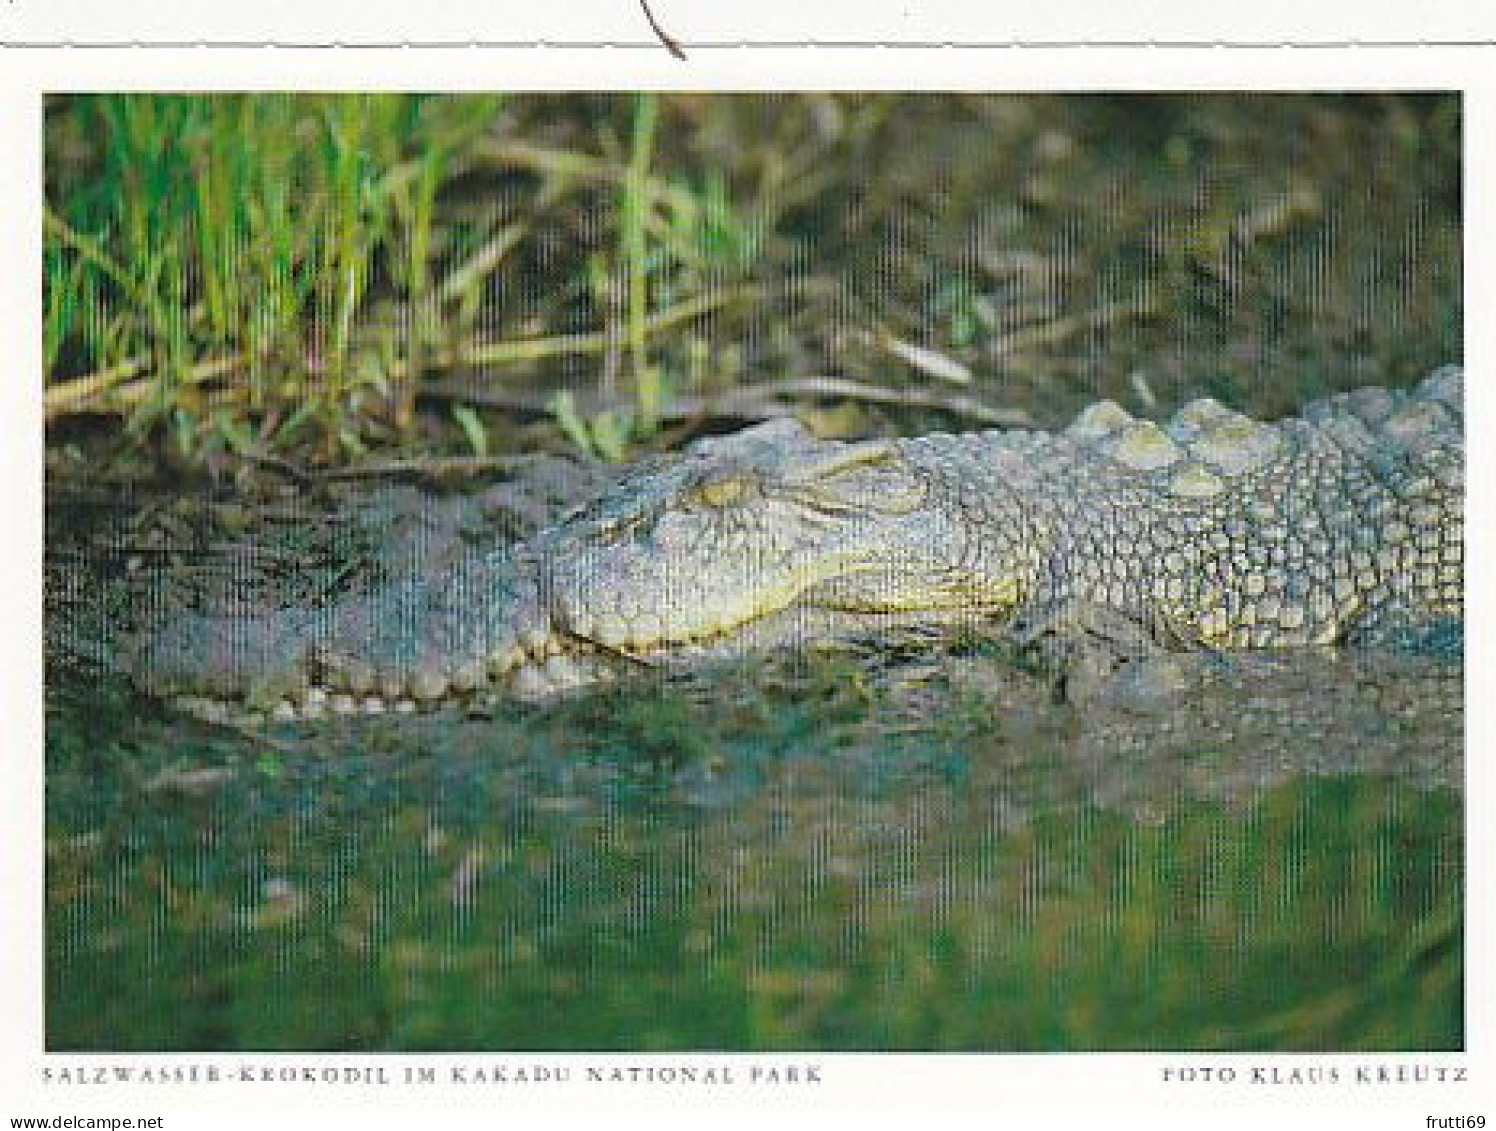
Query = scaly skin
x=1344 y=524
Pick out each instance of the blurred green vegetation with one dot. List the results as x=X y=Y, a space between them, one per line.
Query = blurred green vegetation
x=661 y=872
x=322 y=274
x=1324 y=915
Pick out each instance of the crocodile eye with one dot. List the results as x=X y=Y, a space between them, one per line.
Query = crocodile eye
x=722 y=491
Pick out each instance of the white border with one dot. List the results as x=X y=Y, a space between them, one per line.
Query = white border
x=727 y=25
x=1096 y=1084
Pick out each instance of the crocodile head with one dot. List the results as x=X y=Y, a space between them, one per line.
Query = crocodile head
x=766 y=537
x=764 y=527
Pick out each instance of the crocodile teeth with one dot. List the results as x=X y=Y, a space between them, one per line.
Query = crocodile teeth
x=213 y=710
x=560 y=672
x=530 y=683
x=612 y=631
x=505 y=661
x=535 y=641
x=645 y=630
x=427 y=684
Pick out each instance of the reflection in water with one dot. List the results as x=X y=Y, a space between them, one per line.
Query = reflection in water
x=1276 y=864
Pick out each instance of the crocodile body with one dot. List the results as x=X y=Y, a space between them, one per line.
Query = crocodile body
x=1343 y=524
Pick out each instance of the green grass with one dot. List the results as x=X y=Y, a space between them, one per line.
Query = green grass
x=213 y=260
x=277 y=271
x=289 y=273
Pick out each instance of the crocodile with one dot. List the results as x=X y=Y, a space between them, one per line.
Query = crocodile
x=1211 y=531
